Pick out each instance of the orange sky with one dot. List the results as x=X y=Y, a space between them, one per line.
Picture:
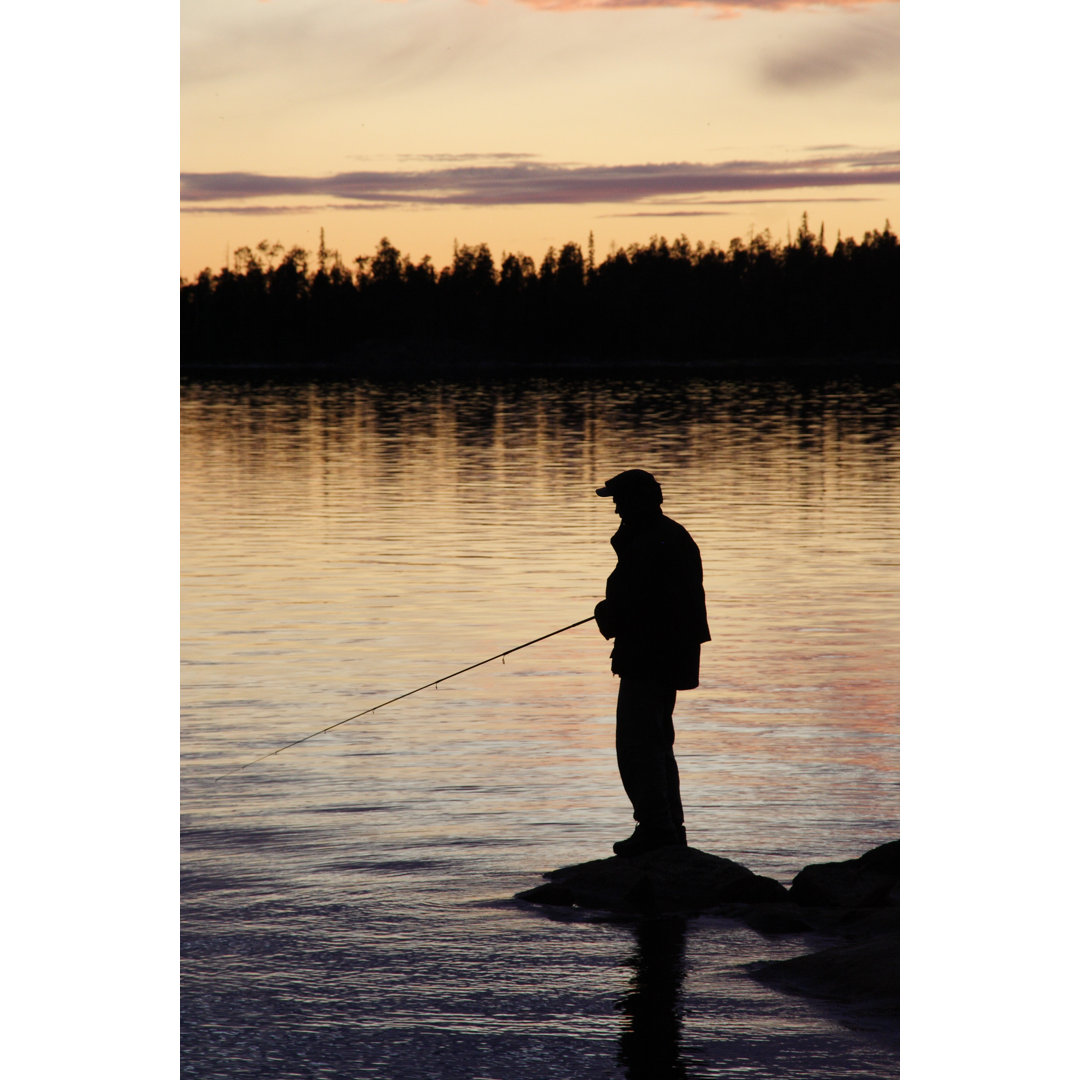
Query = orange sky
x=525 y=124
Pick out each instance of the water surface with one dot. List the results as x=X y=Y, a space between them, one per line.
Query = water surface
x=345 y=903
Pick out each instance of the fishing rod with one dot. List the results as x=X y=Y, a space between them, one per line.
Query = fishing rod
x=382 y=705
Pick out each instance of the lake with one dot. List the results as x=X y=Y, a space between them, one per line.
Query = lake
x=347 y=903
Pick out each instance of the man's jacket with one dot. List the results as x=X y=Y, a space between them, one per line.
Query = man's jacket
x=654 y=605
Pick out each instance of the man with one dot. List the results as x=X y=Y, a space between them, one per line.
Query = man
x=654 y=608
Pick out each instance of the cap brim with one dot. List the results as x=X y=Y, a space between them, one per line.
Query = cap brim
x=605 y=491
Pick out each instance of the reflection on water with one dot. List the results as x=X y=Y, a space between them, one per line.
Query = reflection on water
x=649 y=1045
x=343 y=902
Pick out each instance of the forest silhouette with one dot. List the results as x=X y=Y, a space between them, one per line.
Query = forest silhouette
x=659 y=302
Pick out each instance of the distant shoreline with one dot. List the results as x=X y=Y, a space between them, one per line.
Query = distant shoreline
x=761 y=311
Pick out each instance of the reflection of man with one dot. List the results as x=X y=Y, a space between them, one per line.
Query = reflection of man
x=654 y=608
x=653 y=1005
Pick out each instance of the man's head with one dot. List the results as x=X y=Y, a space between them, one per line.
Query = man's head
x=634 y=491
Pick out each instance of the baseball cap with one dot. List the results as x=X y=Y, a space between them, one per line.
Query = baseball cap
x=634 y=483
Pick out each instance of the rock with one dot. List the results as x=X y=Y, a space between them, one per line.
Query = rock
x=555 y=895
x=776 y=919
x=864 y=973
x=870 y=881
x=667 y=880
x=857 y=900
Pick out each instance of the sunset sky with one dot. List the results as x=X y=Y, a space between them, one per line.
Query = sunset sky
x=525 y=124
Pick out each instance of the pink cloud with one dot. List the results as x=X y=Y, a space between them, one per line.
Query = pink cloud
x=722 y=8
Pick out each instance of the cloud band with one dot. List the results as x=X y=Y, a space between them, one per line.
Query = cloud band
x=527 y=182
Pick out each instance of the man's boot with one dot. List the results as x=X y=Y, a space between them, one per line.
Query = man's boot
x=649 y=838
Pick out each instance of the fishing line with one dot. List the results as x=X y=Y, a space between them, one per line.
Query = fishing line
x=383 y=704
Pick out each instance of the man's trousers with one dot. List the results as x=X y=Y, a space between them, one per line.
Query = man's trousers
x=644 y=741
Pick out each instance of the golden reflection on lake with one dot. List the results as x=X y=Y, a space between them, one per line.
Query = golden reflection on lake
x=345 y=543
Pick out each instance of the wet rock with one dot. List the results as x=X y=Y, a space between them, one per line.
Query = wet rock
x=851 y=906
x=667 y=880
x=553 y=895
x=776 y=919
x=772 y=919
x=870 y=881
x=861 y=973
x=857 y=901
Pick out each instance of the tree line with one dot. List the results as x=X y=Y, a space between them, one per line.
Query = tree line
x=659 y=301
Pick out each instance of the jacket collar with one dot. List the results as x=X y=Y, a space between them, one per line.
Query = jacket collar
x=631 y=528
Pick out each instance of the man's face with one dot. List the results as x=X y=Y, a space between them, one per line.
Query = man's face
x=627 y=506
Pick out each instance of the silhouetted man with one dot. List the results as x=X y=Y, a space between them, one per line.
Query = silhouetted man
x=654 y=608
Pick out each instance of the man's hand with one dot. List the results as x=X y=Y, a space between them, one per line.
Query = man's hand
x=603 y=620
